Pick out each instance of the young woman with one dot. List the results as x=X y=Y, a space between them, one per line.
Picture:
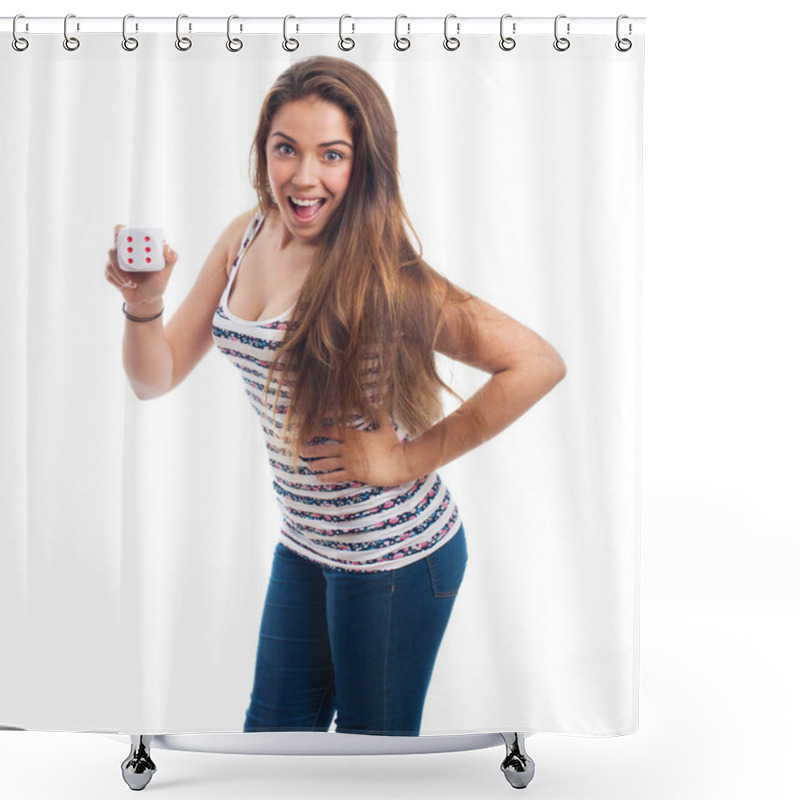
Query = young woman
x=332 y=318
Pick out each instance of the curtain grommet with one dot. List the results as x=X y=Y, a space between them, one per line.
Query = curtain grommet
x=129 y=43
x=70 y=43
x=290 y=44
x=623 y=45
x=561 y=43
x=19 y=43
x=451 y=42
x=401 y=43
x=233 y=45
x=345 y=42
x=183 y=43
x=506 y=42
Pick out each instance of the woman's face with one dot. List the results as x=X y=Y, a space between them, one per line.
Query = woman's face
x=309 y=160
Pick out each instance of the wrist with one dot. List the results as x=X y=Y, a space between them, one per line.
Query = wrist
x=144 y=308
x=415 y=461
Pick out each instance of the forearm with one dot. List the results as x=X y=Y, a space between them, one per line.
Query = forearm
x=146 y=354
x=504 y=398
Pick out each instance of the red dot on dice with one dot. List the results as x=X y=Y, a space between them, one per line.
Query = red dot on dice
x=148 y=260
x=147 y=249
x=130 y=261
x=147 y=238
x=129 y=239
x=130 y=249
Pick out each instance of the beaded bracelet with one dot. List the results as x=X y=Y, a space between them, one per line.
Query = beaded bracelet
x=141 y=319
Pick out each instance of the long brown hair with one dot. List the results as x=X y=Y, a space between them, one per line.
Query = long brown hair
x=369 y=298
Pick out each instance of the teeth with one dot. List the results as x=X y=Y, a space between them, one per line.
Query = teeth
x=300 y=202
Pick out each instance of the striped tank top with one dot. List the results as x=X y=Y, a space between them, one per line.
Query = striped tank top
x=344 y=526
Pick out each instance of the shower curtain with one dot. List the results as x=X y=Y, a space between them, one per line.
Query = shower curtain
x=138 y=536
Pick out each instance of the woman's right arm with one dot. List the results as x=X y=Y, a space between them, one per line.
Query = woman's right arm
x=157 y=358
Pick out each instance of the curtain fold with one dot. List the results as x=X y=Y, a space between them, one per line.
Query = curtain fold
x=137 y=536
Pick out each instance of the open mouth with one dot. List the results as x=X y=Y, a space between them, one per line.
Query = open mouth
x=306 y=210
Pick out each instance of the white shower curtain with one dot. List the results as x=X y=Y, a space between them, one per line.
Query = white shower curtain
x=137 y=536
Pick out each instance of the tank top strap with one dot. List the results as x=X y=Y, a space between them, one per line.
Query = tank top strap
x=249 y=234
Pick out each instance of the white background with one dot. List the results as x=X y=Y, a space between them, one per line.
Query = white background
x=719 y=614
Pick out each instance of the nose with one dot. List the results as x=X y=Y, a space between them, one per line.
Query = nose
x=306 y=174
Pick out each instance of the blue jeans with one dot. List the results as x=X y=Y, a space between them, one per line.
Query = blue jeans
x=362 y=644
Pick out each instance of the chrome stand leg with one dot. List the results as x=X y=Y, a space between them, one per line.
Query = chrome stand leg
x=138 y=768
x=518 y=766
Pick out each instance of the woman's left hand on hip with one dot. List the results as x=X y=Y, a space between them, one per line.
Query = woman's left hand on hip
x=375 y=457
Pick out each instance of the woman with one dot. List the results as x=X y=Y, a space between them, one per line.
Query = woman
x=333 y=320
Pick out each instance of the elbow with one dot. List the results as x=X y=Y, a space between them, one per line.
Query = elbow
x=150 y=387
x=147 y=392
x=544 y=370
x=559 y=368
x=549 y=370
x=549 y=365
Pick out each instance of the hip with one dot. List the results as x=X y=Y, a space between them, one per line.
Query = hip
x=439 y=569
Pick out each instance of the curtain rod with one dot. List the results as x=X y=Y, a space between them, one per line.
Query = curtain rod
x=310 y=25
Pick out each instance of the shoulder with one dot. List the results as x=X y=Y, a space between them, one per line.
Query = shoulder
x=231 y=237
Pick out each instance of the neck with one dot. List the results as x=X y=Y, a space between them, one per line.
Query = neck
x=286 y=238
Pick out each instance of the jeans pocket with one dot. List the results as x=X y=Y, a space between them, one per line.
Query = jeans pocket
x=447 y=566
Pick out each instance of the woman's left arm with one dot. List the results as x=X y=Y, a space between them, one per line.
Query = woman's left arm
x=523 y=367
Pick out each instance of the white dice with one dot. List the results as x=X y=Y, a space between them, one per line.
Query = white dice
x=140 y=249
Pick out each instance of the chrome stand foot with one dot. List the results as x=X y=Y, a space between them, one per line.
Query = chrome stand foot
x=517 y=766
x=138 y=768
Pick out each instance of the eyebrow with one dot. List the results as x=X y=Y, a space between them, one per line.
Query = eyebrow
x=322 y=144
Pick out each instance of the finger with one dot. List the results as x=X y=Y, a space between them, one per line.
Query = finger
x=113 y=268
x=321 y=451
x=112 y=265
x=337 y=476
x=118 y=285
x=322 y=464
x=124 y=279
x=170 y=256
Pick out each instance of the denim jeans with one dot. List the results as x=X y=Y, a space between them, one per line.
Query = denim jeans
x=361 y=644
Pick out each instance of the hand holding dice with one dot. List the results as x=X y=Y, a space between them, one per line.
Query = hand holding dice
x=140 y=265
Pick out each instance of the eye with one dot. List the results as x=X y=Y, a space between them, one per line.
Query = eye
x=284 y=149
x=333 y=156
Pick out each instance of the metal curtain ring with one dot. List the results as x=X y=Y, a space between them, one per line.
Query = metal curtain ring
x=18 y=43
x=561 y=43
x=506 y=42
x=70 y=42
x=183 y=43
x=623 y=45
x=128 y=42
x=451 y=42
x=345 y=42
x=234 y=45
x=401 y=42
x=289 y=44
